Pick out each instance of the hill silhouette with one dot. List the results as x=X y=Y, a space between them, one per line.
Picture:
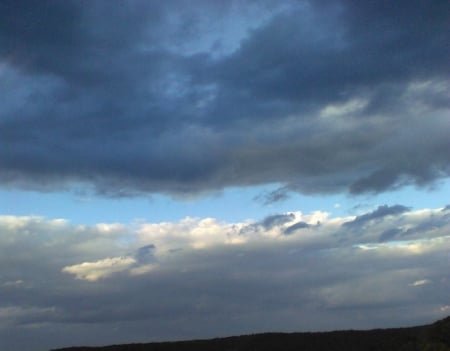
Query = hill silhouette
x=432 y=337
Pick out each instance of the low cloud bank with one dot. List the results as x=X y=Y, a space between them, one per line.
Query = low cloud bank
x=201 y=277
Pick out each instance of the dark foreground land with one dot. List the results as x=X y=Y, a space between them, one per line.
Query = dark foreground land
x=432 y=337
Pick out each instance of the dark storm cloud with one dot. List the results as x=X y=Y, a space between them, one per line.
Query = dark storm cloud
x=134 y=97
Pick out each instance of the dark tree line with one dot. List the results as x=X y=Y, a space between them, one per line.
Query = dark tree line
x=433 y=337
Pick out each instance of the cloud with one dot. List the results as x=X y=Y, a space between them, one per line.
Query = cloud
x=390 y=234
x=100 y=269
x=445 y=308
x=274 y=196
x=299 y=225
x=26 y=315
x=145 y=253
x=13 y=283
x=379 y=213
x=224 y=278
x=420 y=282
x=276 y=220
x=180 y=99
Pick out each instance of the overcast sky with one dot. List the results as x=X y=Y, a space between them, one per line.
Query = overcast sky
x=180 y=169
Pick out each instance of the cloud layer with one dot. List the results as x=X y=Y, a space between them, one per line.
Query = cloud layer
x=138 y=97
x=64 y=284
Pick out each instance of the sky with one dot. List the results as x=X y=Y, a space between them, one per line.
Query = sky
x=192 y=169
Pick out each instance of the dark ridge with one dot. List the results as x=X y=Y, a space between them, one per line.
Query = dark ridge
x=432 y=337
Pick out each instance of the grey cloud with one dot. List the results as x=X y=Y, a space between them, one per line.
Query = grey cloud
x=379 y=213
x=358 y=46
x=277 y=195
x=145 y=254
x=267 y=223
x=390 y=234
x=276 y=220
x=299 y=225
x=132 y=98
x=432 y=223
